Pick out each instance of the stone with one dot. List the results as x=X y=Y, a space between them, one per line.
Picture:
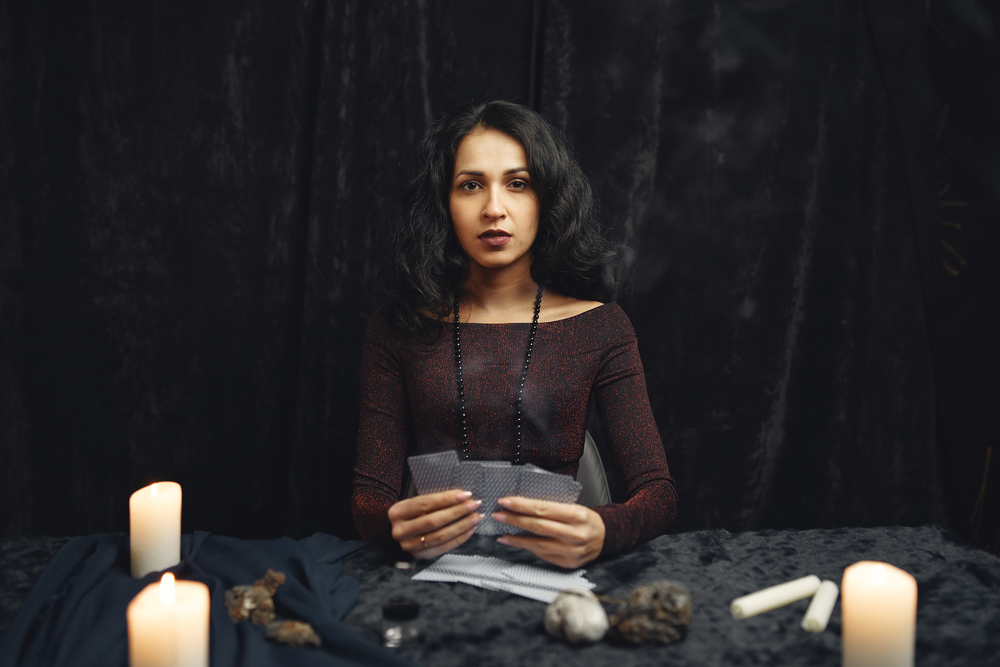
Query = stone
x=659 y=612
x=294 y=633
x=576 y=616
x=254 y=601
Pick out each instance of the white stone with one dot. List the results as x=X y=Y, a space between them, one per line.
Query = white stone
x=576 y=616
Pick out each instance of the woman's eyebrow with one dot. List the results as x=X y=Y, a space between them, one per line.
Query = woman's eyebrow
x=470 y=172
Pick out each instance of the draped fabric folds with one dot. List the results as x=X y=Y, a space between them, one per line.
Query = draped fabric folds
x=193 y=206
x=76 y=617
x=757 y=172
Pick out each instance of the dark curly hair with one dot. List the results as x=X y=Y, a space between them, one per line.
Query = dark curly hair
x=570 y=252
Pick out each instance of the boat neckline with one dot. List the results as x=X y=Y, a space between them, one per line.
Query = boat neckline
x=506 y=324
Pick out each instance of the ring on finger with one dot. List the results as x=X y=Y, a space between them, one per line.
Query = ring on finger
x=423 y=543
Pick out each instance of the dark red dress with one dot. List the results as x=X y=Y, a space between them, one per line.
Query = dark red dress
x=409 y=398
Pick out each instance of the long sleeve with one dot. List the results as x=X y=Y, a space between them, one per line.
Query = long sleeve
x=383 y=433
x=623 y=405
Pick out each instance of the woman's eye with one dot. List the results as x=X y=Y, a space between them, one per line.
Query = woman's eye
x=519 y=184
x=469 y=186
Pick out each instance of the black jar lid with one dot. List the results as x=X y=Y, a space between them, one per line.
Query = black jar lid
x=400 y=609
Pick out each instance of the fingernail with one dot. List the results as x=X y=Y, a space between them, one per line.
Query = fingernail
x=477 y=518
x=501 y=517
x=463 y=495
x=473 y=505
x=503 y=540
x=504 y=502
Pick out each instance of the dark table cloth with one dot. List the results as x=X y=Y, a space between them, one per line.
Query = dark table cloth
x=75 y=614
x=958 y=614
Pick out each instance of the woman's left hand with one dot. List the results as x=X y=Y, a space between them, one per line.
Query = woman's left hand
x=568 y=535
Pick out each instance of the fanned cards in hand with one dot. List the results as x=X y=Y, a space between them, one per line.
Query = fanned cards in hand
x=489 y=481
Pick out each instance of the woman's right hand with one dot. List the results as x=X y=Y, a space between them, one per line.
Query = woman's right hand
x=433 y=524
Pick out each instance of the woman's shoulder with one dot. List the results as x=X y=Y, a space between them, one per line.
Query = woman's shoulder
x=562 y=308
x=597 y=325
x=382 y=325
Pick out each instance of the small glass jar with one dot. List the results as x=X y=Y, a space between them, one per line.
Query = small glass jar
x=400 y=622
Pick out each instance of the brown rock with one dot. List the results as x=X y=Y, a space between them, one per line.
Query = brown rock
x=254 y=601
x=295 y=633
x=659 y=612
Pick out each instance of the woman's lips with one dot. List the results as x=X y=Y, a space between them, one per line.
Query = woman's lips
x=494 y=237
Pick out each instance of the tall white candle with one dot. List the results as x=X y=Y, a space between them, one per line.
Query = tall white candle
x=878 y=604
x=155 y=528
x=168 y=624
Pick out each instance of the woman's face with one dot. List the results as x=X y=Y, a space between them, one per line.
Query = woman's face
x=494 y=208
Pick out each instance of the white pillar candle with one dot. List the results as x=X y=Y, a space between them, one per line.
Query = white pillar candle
x=773 y=597
x=818 y=614
x=878 y=604
x=155 y=528
x=168 y=624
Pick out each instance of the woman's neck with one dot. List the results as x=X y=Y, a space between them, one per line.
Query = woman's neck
x=491 y=297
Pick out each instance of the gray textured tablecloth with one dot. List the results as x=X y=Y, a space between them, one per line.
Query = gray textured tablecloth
x=958 y=612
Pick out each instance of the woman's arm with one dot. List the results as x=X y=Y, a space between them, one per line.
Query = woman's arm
x=383 y=433
x=427 y=525
x=630 y=430
x=571 y=535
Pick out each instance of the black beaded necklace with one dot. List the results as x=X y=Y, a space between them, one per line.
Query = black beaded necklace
x=518 y=394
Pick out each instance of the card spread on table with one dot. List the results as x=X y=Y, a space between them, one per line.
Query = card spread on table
x=530 y=581
x=489 y=481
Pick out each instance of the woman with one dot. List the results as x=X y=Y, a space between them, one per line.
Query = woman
x=493 y=342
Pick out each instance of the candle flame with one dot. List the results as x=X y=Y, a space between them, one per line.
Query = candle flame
x=878 y=575
x=153 y=490
x=167 y=589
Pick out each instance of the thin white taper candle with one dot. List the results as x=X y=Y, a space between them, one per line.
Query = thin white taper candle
x=818 y=614
x=774 y=597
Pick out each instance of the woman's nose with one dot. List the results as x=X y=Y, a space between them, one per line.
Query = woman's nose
x=494 y=208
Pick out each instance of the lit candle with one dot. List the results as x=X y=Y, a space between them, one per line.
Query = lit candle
x=168 y=624
x=155 y=528
x=878 y=605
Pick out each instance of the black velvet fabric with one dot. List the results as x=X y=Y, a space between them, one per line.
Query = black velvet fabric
x=958 y=608
x=777 y=300
x=190 y=199
x=75 y=615
x=193 y=199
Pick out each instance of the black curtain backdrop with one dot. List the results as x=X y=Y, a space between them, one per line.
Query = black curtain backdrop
x=194 y=198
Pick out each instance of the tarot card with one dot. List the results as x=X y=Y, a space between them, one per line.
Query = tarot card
x=496 y=482
x=433 y=472
x=468 y=476
x=546 y=577
x=544 y=485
